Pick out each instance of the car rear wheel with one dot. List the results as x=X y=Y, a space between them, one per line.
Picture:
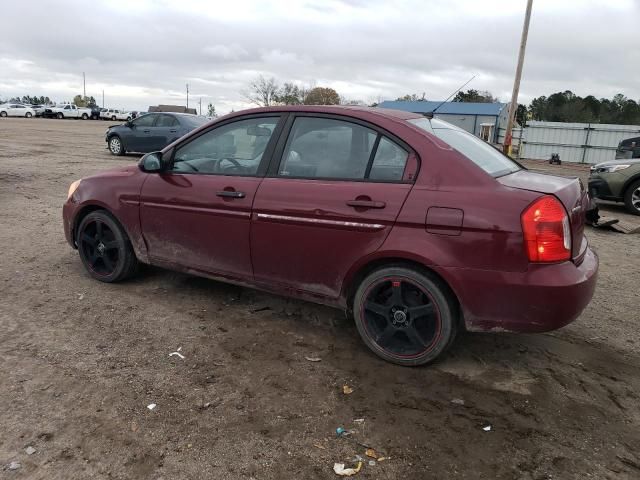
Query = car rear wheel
x=405 y=316
x=105 y=249
x=28 y=115
x=85 y=116
x=632 y=198
x=113 y=118
x=60 y=116
x=115 y=146
x=3 y=114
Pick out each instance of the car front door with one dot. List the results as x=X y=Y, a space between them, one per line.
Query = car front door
x=332 y=200
x=198 y=213
x=137 y=136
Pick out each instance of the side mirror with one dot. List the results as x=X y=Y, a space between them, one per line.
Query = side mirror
x=151 y=162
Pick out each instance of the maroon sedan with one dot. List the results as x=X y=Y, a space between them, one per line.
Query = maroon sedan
x=417 y=227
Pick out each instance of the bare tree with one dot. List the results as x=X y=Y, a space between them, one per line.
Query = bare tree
x=262 y=91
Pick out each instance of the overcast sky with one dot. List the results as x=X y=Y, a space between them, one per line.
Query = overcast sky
x=143 y=52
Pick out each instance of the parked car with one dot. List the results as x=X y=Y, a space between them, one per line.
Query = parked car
x=150 y=132
x=416 y=226
x=38 y=109
x=16 y=110
x=619 y=180
x=67 y=110
x=114 y=114
x=95 y=112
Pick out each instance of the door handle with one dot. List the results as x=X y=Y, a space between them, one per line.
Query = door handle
x=173 y=130
x=146 y=131
x=366 y=204
x=230 y=194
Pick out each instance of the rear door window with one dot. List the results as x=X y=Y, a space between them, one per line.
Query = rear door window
x=389 y=162
x=327 y=148
x=166 y=121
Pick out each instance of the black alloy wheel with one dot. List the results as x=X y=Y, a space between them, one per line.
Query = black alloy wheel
x=405 y=316
x=105 y=249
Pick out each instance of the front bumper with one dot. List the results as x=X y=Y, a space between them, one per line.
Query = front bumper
x=69 y=210
x=544 y=298
x=599 y=188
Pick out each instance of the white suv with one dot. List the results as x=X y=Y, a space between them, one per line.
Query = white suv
x=113 y=114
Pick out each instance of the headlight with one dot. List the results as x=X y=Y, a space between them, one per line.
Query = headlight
x=72 y=188
x=612 y=168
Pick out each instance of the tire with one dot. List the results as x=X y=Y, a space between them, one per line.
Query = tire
x=113 y=118
x=3 y=114
x=128 y=119
x=85 y=116
x=632 y=198
x=60 y=116
x=405 y=316
x=115 y=146
x=28 y=115
x=105 y=249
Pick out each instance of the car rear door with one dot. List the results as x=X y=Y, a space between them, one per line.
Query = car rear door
x=330 y=201
x=198 y=214
x=165 y=131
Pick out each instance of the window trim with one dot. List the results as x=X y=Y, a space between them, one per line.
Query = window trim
x=278 y=154
x=266 y=156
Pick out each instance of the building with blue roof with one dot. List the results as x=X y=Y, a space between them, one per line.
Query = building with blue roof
x=486 y=120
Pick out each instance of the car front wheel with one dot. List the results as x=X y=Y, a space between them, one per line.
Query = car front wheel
x=60 y=116
x=405 y=316
x=632 y=198
x=115 y=146
x=85 y=116
x=28 y=115
x=105 y=249
x=3 y=114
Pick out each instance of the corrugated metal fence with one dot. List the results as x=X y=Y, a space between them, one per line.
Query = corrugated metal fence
x=575 y=142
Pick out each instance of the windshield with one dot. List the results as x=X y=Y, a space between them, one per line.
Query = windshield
x=478 y=151
x=193 y=120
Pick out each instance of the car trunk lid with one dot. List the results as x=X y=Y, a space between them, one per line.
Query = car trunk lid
x=569 y=191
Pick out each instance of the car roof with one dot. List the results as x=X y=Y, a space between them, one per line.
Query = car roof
x=349 y=110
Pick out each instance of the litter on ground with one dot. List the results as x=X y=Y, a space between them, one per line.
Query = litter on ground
x=151 y=406
x=339 y=469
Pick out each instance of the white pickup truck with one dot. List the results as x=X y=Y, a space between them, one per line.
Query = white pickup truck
x=67 y=111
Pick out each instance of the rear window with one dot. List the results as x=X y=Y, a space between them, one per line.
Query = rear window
x=492 y=161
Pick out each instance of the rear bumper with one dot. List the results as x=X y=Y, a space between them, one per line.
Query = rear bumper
x=546 y=297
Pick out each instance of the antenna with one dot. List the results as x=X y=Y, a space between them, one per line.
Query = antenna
x=430 y=114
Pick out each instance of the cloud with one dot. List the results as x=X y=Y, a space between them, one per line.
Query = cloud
x=365 y=49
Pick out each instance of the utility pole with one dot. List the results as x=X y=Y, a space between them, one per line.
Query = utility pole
x=187 y=95
x=516 y=84
x=103 y=98
x=200 y=105
x=84 y=87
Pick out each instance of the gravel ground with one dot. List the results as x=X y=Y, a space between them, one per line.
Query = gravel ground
x=82 y=360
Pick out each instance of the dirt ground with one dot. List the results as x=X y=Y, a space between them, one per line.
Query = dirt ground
x=80 y=361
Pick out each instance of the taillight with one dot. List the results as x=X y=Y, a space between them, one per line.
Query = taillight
x=547 y=234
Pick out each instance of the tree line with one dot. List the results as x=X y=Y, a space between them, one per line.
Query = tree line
x=560 y=107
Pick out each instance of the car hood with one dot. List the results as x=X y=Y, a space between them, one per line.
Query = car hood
x=126 y=171
x=629 y=161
